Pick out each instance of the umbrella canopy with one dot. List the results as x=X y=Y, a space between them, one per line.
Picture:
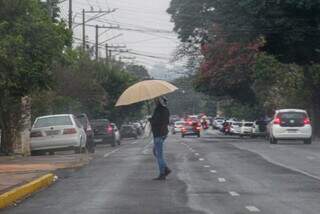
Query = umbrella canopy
x=145 y=90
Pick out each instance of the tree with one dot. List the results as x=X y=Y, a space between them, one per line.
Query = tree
x=138 y=71
x=29 y=43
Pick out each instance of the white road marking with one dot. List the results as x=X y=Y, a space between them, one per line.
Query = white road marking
x=206 y=166
x=311 y=158
x=234 y=194
x=213 y=171
x=133 y=143
x=109 y=153
x=252 y=209
x=197 y=154
x=221 y=180
x=201 y=159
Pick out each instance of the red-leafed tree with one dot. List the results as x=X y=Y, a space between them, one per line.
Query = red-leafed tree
x=226 y=69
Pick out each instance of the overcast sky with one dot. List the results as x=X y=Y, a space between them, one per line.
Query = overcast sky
x=157 y=39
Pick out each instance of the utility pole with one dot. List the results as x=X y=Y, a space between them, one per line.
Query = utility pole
x=97 y=42
x=107 y=53
x=50 y=8
x=83 y=30
x=97 y=38
x=70 y=14
x=95 y=17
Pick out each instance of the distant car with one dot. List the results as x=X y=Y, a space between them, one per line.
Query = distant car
x=57 y=132
x=191 y=128
x=116 y=133
x=218 y=123
x=235 y=128
x=259 y=128
x=138 y=127
x=128 y=131
x=246 y=129
x=84 y=120
x=176 y=128
x=173 y=119
x=290 y=124
x=103 y=132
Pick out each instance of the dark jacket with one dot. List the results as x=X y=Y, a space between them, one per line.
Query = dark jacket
x=160 y=121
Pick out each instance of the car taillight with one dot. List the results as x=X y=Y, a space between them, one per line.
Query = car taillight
x=70 y=131
x=306 y=121
x=277 y=121
x=109 y=129
x=35 y=134
x=198 y=128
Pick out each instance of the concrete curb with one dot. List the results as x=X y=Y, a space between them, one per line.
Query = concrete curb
x=8 y=198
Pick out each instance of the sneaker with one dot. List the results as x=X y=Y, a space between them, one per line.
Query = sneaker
x=160 y=178
x=167 y=171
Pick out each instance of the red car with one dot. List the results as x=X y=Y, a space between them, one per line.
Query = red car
x=191 y=128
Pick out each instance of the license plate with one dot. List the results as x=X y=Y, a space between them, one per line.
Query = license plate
x=51 y=133
x=97 y=140
x=292 y=130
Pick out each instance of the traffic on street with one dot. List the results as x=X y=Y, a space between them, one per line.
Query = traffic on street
x=212 y=174
x=159 y=106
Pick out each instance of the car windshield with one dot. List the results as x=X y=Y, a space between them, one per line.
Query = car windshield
x=53 y=121
x=248 y=124
x=292 y=115
x=99 y=122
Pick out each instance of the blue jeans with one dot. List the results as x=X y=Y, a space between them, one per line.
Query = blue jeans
x=158 y=152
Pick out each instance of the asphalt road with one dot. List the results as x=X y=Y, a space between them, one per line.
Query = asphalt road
x=211 y=174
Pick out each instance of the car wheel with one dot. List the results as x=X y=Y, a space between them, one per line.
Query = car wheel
x=182 y=136
x=198 y=135
x=77 y=150
x=307 y=141
x=119 y=142
x=35 y=153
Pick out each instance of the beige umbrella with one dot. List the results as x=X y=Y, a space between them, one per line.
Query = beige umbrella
x=145 y=90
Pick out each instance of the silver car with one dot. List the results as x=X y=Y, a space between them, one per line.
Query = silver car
x=57 y=132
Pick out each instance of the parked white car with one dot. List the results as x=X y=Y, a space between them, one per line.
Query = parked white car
x=246 y=128
x=218 y=123
x=290 y=124
x=235 y=128
x=57 y=132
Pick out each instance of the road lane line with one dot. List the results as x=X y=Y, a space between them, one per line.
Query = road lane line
x=133 y=143
x=109 y=153
x=311 y=158
x=201 y=159
x=252 y=209
x=197 y=154
x=234 y=194
x=221 y=180
x=213 y=171
x=206 y=166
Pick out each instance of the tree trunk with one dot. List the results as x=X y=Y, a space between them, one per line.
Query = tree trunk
x=15 y=117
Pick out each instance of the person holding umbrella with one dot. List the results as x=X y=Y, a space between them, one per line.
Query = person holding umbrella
x=153 y=90
x=159 y=126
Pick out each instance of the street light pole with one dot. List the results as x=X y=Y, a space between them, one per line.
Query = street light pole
x=70 y=14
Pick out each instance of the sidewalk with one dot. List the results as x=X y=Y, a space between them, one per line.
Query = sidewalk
x=16 y=171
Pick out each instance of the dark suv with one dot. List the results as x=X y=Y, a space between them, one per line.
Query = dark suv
x=103 y=132
x=84 y=120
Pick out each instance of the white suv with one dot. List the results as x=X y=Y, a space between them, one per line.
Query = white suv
x=290 y=124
